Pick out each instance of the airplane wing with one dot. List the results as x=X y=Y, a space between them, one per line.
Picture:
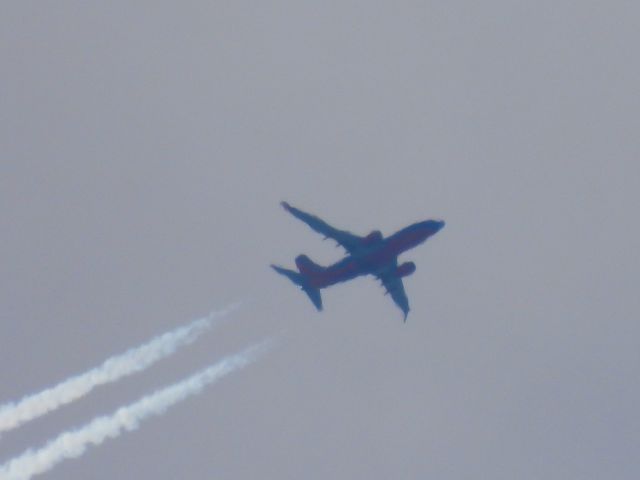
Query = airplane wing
x=394 y=286
x=348 y=240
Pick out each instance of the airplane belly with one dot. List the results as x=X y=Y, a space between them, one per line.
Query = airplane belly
x=378 y=260
x=341 y=272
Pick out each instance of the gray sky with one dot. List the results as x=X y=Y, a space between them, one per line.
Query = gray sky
x=145 y=149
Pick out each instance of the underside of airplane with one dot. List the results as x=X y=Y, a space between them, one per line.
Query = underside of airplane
x=372 y=254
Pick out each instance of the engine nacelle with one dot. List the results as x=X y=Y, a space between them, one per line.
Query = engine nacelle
x=373 y=238
x=405 y=269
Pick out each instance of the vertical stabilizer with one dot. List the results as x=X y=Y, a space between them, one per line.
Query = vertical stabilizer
x=306 y=265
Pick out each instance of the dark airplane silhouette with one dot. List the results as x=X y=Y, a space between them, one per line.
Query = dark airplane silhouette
x=370 y=255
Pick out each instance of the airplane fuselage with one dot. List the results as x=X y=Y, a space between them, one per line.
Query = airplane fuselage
x=374 y=257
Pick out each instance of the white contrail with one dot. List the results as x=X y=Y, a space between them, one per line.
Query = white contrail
x=134 y=360
x=73 y=443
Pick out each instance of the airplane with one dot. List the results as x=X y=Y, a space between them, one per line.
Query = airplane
x=370 y=255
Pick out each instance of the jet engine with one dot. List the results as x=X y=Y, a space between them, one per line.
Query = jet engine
x=373 y=238
x=405 y=269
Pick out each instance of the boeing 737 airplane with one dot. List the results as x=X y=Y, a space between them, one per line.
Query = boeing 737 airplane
x=370 y=255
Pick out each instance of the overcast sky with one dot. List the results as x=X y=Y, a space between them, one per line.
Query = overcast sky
x=145 y=147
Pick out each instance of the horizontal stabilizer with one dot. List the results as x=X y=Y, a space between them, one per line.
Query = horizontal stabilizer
x=314 y=296
x=299 y=279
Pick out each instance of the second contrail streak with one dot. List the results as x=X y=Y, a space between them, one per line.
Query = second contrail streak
x=14 y=414
x=73 y=443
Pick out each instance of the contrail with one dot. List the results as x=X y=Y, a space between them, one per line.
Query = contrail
x=73 y=443
x=14 y=414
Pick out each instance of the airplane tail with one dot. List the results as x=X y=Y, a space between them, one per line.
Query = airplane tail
x=301 y=280
x=306 y=266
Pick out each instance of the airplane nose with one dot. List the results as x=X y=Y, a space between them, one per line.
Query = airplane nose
x=433 y=226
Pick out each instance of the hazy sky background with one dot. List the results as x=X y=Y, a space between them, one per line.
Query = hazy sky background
x=145 y=147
